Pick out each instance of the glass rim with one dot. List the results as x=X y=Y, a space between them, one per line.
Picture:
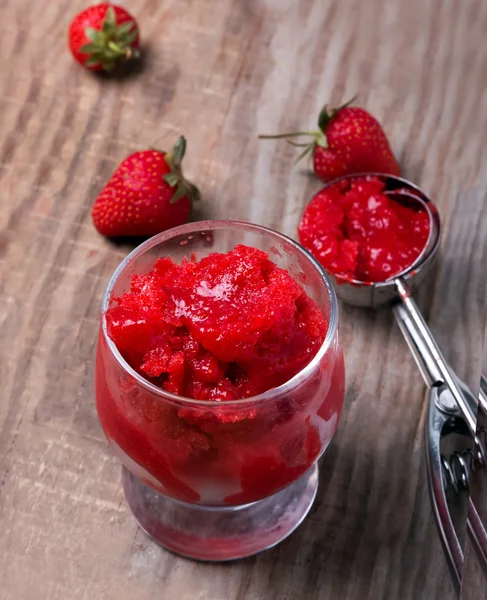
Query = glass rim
x=209 y=225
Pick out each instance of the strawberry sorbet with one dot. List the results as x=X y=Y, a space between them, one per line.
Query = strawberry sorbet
x=229 y=326
x=357 y=232
x=221 y=329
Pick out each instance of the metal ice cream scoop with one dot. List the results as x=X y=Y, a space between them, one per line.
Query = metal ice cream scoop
x=451 y=402
x=396 y=291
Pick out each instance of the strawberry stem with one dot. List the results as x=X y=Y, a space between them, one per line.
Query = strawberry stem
x=305 y=153
x=328 y=112
x=175 y=178
x=179 y=150
x=318 y=138
x=296 y=144
x=288 y=135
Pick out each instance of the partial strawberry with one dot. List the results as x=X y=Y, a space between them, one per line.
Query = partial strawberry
x=349 y=140
x=147 y=194
x=103 y=35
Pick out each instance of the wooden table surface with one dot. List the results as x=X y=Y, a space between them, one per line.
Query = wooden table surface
x=221 y=72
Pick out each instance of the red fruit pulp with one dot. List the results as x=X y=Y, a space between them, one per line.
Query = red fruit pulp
x=222 y=329
x=357 y=232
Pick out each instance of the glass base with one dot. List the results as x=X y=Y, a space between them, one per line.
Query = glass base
x=220 y=533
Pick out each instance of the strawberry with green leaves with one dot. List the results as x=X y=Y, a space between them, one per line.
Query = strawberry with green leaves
x=102 y=36
x=146 y=194
x=348 y=140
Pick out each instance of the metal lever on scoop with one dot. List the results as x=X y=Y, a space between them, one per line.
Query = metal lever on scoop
x=449 y=539
x=477 y=534
x=441 y=421
x=428 y=356
x=483 y=393
x=476 y=528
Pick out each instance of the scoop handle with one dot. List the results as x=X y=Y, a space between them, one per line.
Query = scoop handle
x=428 y=356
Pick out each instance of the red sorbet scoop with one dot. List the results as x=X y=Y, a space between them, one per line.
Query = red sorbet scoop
x=358 y=232
x=229 y=326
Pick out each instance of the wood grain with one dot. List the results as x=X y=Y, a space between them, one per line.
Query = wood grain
x=221 y=73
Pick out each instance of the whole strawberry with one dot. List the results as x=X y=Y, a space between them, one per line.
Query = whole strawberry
x=102 y=36
x=146 y=195
x=349 y=140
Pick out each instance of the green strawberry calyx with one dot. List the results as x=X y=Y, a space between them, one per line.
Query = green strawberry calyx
x=110 y=44
x=329 y=112
x=318 y=137
x=175 y=178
